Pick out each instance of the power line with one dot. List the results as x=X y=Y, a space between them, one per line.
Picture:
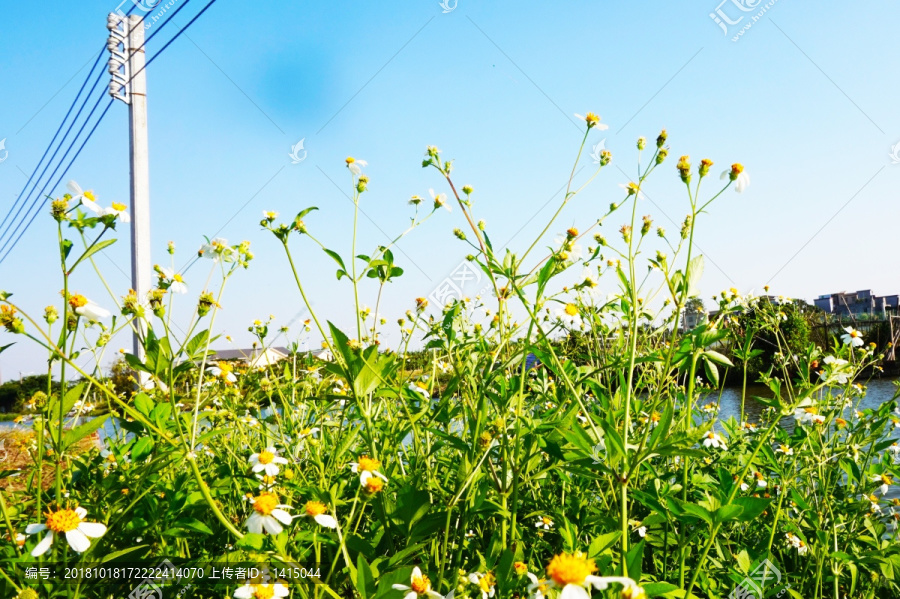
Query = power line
x=23 y=197
x=52 y=141
x=47 y=166
x=33 y=216
x=90 y=134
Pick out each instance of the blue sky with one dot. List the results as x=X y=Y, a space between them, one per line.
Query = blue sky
x=806 y=99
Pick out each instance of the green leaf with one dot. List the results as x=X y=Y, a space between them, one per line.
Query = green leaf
x=712 y=372
x=142 y=448
x=658 y=589
x=341 y=343
x=718 y=358
x=337 y=258
x=251 y=540
x=365 y=582
x=306 y=211
x=695 y=271
x=635 y=558
x=72 y=395
x=752 y=507
x=117 y=554
x=80 y=432
x=199 y=340
x=96 y=248
x=144 y=404
x=728 y=512
x=192 y=524
x=743 y=560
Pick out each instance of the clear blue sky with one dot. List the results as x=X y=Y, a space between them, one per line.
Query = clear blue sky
x=806 y=99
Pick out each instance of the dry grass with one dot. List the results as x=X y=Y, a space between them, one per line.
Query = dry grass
x=16 y=453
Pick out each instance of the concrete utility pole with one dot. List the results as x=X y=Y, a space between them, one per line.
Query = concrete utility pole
x=129 y=84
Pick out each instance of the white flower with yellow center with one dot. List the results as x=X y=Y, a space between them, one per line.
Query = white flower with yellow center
x=741 y=182
x=119 y=211
x=87 y=198
x=852 y=337
x=574 y=574
x=71 y=522
x=267 y=461
x=714 y=440
x=538 y=588
x=419 y=585
x=440 y=200
x=223 y=371
x=262 y=591
x=316 y=511
x=86 y=308
x=217 y=249
x=176 y=282
x=366 y=467
x=268 y=515
x=885 y=482
x=544 y=522
x=355 y=165
x=569 y=315
x=486 y=583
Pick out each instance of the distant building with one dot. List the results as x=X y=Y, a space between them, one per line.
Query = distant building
x=691 y=319
x=254 y=357
x=857 y=303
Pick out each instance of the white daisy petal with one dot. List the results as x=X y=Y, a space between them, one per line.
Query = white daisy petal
x=42 y=547
x=92 y=529
x=78 y=541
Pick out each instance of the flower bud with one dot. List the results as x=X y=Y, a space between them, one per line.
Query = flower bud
x=662 y=155
x=459 y=234
x=641 y=143
x=626 y=233
x=661 y=140
x=704 y=166
x=684 y=168
x=467 y=189
x=51 y=314
x=600 y=239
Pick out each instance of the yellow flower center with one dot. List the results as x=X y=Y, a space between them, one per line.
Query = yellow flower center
x=887 y=479
x=571 y=309
x=63 y=520
x=77 y=301
x=569 y=568
x=547 y=521
x=521 y=568
x=420 y=584
x=118 y=207
x=486 y=582
x=573 y=232
x=350 y=160
x=177 y=278
x=737 y=168
x=314 y=508
x=265 y=503
x=266 y=457
x=263 y=591
x=90 y=195
x=368 y=464
x=374 y=484
x=591 y=119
